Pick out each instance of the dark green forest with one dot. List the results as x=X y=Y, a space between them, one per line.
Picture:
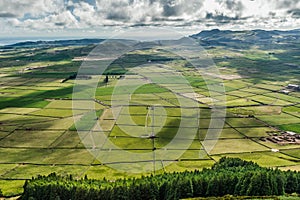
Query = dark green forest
x=228 y=176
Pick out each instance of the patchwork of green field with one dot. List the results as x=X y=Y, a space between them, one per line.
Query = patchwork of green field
x=272 y=145
x=254 y=90
x=266 y=158
x=244 y=122
x=236 y=146
x=255 y=132
x=241 y=102
x=290 y=127
x=256 y=110
x=292 y=152
x=225 y=133
x=38 y=133
x=269 y=100
x=31 y=139
x=279 y=119
x=292 y=110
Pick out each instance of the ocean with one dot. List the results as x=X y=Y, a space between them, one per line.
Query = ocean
x=13 y=40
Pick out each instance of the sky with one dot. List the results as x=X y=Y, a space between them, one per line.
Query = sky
x=105 y=18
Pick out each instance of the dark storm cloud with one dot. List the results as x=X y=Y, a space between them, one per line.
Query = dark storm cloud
x=85 y=14
x=118 y=16
x=295 y=13
x=161 y=19
x=7 y=15
x=220 y=17
x=286 y=3
x=170 y=10
x=60 y=24
x=173 y=8
x=234 y=5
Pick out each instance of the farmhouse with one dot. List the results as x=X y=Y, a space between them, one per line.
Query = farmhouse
x=285 y=91
x=287 y=137
x=293 y=87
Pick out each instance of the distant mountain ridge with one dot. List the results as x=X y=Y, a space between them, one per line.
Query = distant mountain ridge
x=246 y=37
x=214 y=37
x=73 y=42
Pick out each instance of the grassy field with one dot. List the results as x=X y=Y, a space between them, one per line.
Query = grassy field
x=38 y=132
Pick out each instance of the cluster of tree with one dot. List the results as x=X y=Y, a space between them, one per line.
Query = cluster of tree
x=228 y=176
x=75 y=76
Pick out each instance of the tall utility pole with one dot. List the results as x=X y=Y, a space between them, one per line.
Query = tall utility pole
x=152 y=138
x=152 y=134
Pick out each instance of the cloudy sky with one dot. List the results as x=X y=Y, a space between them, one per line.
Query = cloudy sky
x=103 y=18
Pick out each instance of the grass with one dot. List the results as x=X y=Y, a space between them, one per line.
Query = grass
x=255 y=132
x=26 y=102
x=240 y=93
x=292 y=152
x=68 y=139
x=131 y=143
x=241 y=102
x=254 y=90
x=87 y=121
x=38 y=135
x=54 y=124
x=236 y=146
x=292 y=110
x=265 y=159
x=283 y=97
x=68 y=156
x=60 y=113
x=269 y=100
x=75 y=104
x=13 y=119
x=187 y=165
x=99 y=172
x=12 y=187
x=28 y=171
x=256 y=110
x=22 y=155
x=5 y=168
x=244 y=122
x=30 y=138
x=269 y=86
x=16 y=110
x=150 y=89
x=290 y=127
x=226 y=133
x=279 y=119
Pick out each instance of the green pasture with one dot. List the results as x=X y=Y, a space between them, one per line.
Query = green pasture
x=284 y=97
x=241 y=102
x=32 y=139
x=293 y=110
x=254 y=90
x=244 y=122
x=256 y=132
x=256 y=110
x=28 y=170
x=267 y=158
x=236 y=146
x=290 y=127
x=187 y=165
x=226 y=133
x=269 y=100
x=279 y=119
x=38 y=134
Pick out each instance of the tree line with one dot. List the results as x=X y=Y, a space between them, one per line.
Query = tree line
x=228 y=176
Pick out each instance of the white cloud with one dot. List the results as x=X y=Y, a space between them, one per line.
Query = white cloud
x=34 y=8
x=51 y=15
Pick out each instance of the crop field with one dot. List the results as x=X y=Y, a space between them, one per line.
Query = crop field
x=44 y=130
